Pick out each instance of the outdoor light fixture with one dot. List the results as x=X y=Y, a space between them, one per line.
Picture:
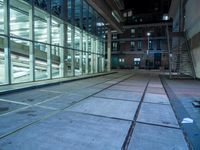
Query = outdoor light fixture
x=148 y=33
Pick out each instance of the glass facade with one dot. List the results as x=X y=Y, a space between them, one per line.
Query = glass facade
x=49 y=39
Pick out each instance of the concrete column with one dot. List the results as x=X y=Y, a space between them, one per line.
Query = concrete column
x=109 y=50
x=49 y=57
x=63 y=52
x=31 y=46
x=7 y=50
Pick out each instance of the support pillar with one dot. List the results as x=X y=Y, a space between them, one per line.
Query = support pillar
x=63 y=52
x=109 y=50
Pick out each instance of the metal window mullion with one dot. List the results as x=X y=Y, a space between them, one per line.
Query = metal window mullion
x=7 y=49
x=73 y=51
x=31 y=46
x=49 y=55
x=87 y=55
x=92 y=55
x=96 y=55
x=63 y=52
x=81 y=53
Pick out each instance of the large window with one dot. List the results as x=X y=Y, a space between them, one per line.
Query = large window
x=20 y=60
x=90 y=20
x=85 y=16
x=42 y=4
x=114 y=46
x=19 y=20
x=42 y=24
x=78 y=12
x=56 y=31
x=41 y=61
x=77 y=39
x=56 y=7
x=69 y=10
x=57 y=54
x=132 y=33
x=139 y=43
x=44 y=44
x=132 y=45
x=2 y=60
x=2 y=17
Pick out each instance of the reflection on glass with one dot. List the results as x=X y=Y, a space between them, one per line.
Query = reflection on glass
x=55 y=31
x=20 y=62
x=41 y=4
x=2 y=17
x=56 y=61
x=56 y=7
x=77 y=39
x=2 y=60
x=49 y=29
x=40 y=23
x=90 y=63
x=78 y=67
x=90 y=20
x=69 y=10
x=85 y=16
x=69 y=36
x=85 y=54
x=41 y=61
x=19 y=20
x=77 y=12
x=70 y=56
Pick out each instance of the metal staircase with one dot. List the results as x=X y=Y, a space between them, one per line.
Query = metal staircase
x=180 y=60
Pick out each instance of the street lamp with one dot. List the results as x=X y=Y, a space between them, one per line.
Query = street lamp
x=148 y=35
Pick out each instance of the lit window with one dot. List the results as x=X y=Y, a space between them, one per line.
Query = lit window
x=133 y=31
x=139 y=44
x=165 y=17
x=132 y=44
x=129 y=13
x=125 y=14
x=114 y=36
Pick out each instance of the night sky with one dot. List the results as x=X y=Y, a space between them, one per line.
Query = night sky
x=145 y=6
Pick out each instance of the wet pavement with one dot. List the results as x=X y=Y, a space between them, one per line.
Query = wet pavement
x=125 y=110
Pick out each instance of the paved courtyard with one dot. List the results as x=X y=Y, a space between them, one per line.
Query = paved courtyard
x=125 y=110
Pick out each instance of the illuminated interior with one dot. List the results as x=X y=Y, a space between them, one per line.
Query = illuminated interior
x=44 y=43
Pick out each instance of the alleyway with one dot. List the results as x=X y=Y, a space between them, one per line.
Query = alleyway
x=125 y=110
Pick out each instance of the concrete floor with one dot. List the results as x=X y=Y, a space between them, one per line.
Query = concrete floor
x=110 y=112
